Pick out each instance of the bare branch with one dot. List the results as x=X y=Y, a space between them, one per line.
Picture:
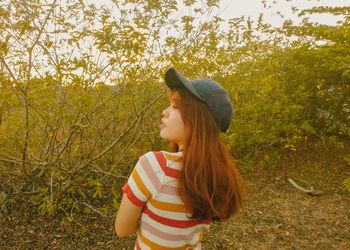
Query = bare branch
x=8 y=68
x=84 y=164
x=93 y=209
x=127 y=130
x=53 y=5
x=310 y=191
x=107 y=173
x=19 y=161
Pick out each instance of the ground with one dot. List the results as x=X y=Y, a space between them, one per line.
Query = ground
x=275 y=215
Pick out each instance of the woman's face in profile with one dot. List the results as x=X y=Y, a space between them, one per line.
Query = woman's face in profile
x=173 y=128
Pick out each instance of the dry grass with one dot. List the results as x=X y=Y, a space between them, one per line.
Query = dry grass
x=278 y=216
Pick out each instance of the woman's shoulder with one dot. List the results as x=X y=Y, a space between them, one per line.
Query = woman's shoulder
x=154 y=157
x=162 y=157
x=169 y=162
x=162 y=154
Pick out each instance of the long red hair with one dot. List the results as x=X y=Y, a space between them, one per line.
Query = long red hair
x=209 y=180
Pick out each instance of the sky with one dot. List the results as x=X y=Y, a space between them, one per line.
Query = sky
x=237 y=8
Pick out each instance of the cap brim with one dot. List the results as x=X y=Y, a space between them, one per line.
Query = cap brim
x=175 y=80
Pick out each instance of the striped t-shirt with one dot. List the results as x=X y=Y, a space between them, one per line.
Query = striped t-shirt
x=153 y=185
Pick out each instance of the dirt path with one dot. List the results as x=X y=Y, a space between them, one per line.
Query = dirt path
x=276 y=215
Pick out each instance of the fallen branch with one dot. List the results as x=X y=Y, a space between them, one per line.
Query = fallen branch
x=310 y=191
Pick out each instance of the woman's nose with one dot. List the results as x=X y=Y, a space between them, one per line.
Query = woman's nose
x=165 y=112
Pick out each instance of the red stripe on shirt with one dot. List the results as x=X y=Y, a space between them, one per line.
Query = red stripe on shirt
x=130 y=194
x=172 y=222
x=175 y=173
x=138 y=245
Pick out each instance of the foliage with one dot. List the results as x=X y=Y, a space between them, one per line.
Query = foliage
x=289 y=87
x=324 y=63
x=82 y=89
x=347 y=184
x=347 y=181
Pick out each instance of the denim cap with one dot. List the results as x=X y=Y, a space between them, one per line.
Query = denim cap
x=209 y=92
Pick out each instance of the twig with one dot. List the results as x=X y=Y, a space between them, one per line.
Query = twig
x=78 y=167
x=93 y=209
x=19 y=161
x=108 y=173
x=51 y=182
x=310 y=191
x=8 y=68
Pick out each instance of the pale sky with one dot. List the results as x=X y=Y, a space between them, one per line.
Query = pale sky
x=237 y=8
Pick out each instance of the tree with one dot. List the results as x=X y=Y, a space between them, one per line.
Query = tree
x=80 y=87
x=322 y=55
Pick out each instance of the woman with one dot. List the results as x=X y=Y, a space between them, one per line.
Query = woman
x=179 y=193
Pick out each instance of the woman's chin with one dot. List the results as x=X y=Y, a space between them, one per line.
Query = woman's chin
x=164 y=137
x=161 y=134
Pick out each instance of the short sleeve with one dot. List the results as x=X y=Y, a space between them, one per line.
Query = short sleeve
x=145 y=180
